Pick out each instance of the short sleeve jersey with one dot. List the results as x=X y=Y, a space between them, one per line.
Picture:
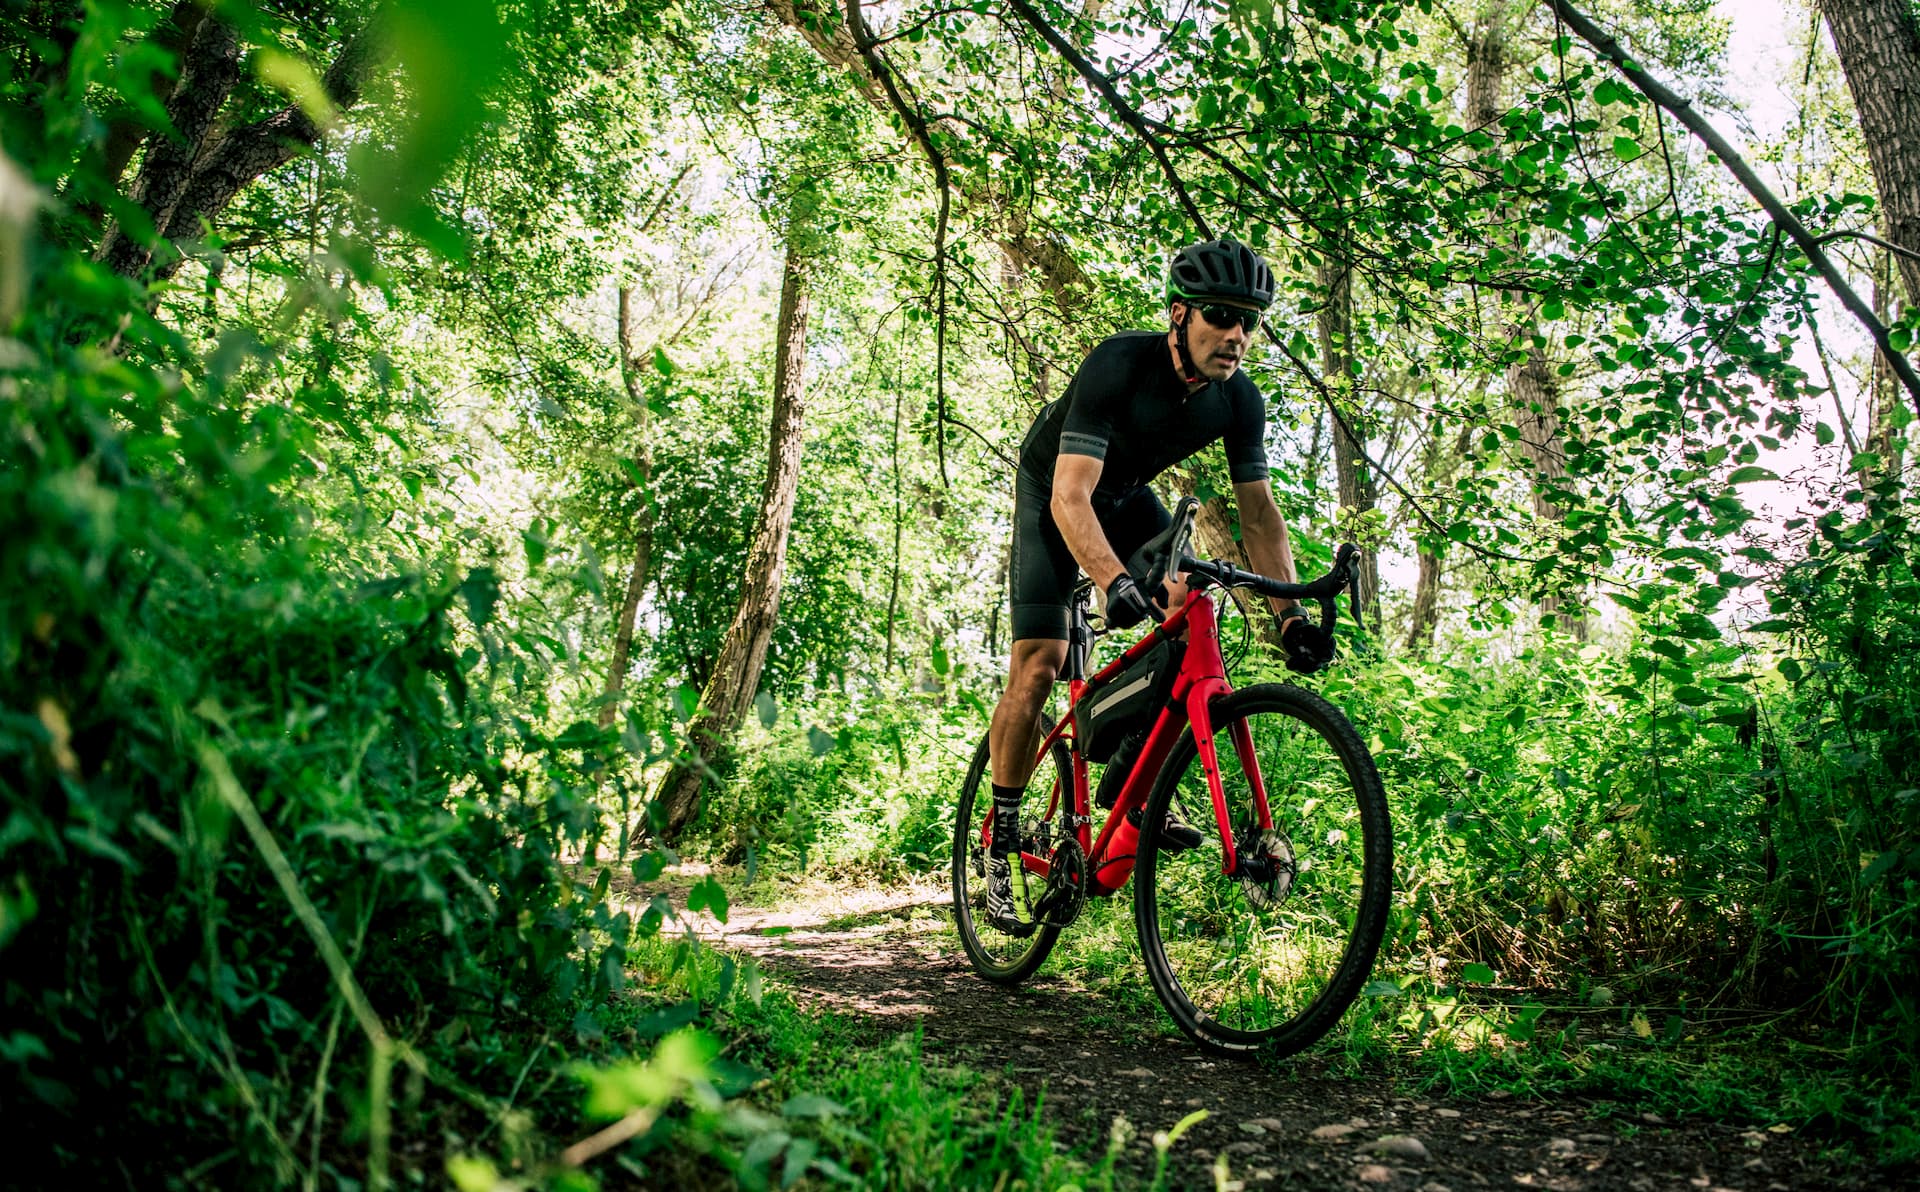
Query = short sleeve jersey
x=1128 y=407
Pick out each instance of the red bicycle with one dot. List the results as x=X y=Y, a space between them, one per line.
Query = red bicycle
x=1260 y=938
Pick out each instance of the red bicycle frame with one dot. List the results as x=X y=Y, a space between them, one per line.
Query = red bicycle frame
x=1201 y=679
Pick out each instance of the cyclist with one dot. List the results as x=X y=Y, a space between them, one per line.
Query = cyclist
x=1141 y=402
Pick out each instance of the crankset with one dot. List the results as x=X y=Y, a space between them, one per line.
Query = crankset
x=1066 y=893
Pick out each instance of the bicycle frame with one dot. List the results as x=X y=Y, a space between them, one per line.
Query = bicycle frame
x=1201 y=679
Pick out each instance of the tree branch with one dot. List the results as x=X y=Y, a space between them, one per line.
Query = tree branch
x=1870 y=238
x=1683 y=111
x=1132 y=118
x=916 y=123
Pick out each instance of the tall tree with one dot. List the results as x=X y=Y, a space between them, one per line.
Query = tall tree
x=1533 y=388
x=1879 y=46
x=736 y=674
x=630 y=370
x=216 y=145
x=1359 y=491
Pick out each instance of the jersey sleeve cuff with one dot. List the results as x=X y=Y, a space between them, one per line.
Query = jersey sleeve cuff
x=1074 y=443
x=1247 y=473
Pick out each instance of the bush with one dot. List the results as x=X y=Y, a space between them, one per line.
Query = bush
x=185 y=653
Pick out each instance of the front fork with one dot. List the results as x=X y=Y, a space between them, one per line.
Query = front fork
x=1200 y=715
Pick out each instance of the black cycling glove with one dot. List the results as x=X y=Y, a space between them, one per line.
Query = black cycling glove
x=1309 y=648
x=1127 y=605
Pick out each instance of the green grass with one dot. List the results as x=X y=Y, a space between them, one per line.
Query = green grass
x=1754 y=1075
x=850 y=1103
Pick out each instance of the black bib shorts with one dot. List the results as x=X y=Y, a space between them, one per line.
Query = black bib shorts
x=1043 y=572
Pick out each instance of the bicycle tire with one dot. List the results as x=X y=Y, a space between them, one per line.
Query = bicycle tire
x=1239 y=967
x=1001 y=958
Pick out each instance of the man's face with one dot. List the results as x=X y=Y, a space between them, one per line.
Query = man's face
x=1217 y=351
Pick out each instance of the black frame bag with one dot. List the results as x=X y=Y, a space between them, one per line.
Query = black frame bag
x=1112 y=709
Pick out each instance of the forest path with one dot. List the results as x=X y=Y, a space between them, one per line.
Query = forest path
x=889 y=956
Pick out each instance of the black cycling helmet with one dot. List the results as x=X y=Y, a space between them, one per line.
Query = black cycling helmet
x=1216 y=269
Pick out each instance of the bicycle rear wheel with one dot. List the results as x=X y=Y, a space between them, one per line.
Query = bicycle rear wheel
x=1269 y=960
x=996 y=955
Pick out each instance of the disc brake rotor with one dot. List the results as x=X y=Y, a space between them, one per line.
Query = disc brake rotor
x=1267 y=868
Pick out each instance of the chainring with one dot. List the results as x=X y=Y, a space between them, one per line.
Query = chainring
x=1066 y=892
x=1267 y=868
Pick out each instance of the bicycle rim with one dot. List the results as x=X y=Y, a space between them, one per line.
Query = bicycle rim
x=996 y=955
x=1241 y=964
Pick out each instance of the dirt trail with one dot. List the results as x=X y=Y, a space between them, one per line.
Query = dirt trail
x=881 y=955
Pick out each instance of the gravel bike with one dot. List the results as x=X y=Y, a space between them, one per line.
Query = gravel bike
x=1261 y=937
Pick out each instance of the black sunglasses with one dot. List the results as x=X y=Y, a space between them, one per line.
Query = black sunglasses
x=1223 y=316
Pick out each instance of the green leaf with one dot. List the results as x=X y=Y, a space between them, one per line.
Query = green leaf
x=820 y=741
x=1878 y=868
x=535 y=539
x=1477 y=974
x=941 y=663
x=661 y=363
x=581 y=734
x=481 y=592
x=768 y=711
x=1627 y=149
x=649 y=867
x=1749 y=474
x=710 y=896
x=800 y=1153
x=811 y=1105
x=295 y=79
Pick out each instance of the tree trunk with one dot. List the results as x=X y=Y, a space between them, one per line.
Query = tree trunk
x=1532 y=386
x=185 y=184
x=1883 y=391
x=1426 y=602
x=736 y=674
x=208 y=73
x=174 y=34
x=630 y=365
x=1879 y=46
x=1535 y=394
x=1359 y=491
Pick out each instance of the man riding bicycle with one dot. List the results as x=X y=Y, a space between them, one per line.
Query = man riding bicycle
x=1140 y=403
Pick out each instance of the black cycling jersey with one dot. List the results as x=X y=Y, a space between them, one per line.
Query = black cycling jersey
x=1128 y=407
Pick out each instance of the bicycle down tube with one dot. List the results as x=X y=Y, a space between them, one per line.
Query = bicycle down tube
x=1201 y=679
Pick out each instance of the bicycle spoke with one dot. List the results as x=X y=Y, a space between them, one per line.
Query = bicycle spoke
x=1268 y=954
x=998 y=955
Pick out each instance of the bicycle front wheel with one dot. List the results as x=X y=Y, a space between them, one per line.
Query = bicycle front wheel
x=996 y=955
x=1271 y=958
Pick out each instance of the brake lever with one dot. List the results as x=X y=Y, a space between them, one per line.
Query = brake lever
x=1343 y=567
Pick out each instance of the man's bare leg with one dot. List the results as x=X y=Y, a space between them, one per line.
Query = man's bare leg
x=1015 y=732
x=1012 y=739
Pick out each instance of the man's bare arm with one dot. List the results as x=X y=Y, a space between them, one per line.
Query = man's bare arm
x=1074 y=477
x=1264 y=532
